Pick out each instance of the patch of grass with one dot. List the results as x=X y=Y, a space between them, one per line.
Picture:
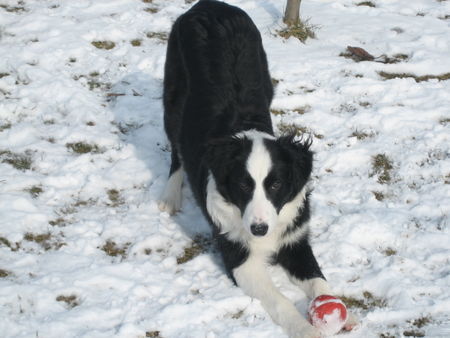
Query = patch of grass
x=389 y=252
x=382 y=166
x=58 y=222
x=4 y=241
x=413 y=333
x=13 y=9
x=301 y=30
x=198 y=246
x=369 y=301
x=19 y=161
x=237 y=315
x=292 y=128
x=114 y=197
x=352 y=302
x=153 y=334
x=391 y=76
x=94 y=83
x=112 y=249
x=360 y=135
x=125 y=128
x=275 y=82
x=5 y=126
x=277 y=112
x=447 y=179
x=386 y=335
x=444 y=121
x=5 y=273
x=83 y=148
x=373 y=301
x=151 y=10
x=379 y=196
x=103 y=44
x=136 y=42
x=366 y=3
x=71 y=300
x=163 y=36
x=421 y=322
x=35 y=191
x=302 y=110
x=45 y=240
x=297 y=130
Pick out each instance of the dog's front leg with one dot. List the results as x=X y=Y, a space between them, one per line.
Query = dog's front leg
x=253 y=278
x=303 y=270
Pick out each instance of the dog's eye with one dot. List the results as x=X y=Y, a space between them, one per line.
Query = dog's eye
x=275 y=186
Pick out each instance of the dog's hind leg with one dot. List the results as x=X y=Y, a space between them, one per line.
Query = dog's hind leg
x=170 y=200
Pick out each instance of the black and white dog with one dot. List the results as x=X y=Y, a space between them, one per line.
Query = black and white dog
x=251 y=186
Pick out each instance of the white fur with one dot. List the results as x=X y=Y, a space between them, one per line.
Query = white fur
x=170 y=200
x=253 y=278
x=312 y=287
x=259 y=209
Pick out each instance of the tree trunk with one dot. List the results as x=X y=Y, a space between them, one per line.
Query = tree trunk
x=292 y=13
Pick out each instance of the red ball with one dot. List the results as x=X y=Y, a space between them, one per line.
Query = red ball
x=328 y=314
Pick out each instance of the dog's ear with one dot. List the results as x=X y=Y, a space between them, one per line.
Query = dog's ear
x=221 y=153
x=299 y=153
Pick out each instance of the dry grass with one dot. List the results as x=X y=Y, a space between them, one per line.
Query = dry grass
x=301 y=30
x=112 y=249
x=163 y=36
x=368 y=301
x=391 y=76
x=382 y=166
x=103 y=44
x=71 y=300
x=114 y=197
x=35 y=191
x=19 y=161
x=83 y=148
x=199 y=245
x=366 y=3
x=45 y=240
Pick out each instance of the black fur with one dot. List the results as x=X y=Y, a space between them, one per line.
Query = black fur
x=217 y=84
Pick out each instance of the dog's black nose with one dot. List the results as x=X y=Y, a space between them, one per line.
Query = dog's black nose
x=259 y=229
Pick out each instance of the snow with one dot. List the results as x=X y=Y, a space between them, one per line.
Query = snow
x=385 y=244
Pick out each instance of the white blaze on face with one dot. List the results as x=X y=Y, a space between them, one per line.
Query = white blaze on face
x=259 y=209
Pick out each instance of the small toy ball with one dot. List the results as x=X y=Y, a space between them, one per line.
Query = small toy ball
x=328 y=314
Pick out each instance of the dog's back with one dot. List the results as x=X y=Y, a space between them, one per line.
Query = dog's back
x=216 y=82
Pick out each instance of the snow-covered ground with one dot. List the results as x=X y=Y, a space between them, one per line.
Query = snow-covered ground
x=84 y=250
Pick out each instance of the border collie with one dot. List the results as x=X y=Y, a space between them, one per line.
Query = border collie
x=251 y=186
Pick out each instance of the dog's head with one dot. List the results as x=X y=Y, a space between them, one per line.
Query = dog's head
x=260 y=179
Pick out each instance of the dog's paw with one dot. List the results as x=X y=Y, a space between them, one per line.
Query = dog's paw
x=309 y=332
x=170 y=206
x=305 y=330
x=352 y=322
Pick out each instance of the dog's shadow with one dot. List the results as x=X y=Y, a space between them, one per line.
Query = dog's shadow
x=136 y=102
